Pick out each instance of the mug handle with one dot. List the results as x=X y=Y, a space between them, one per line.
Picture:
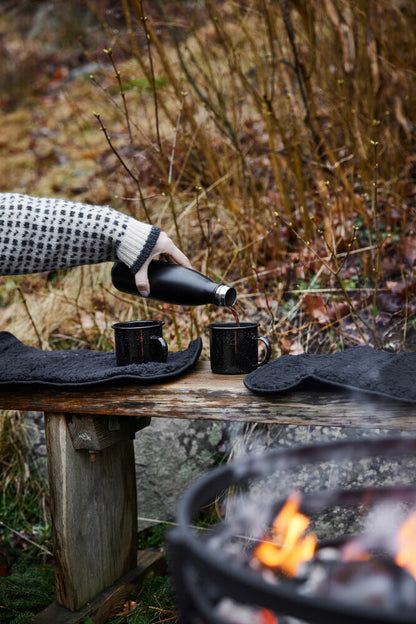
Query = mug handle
x=268 y=346
x=163 y=348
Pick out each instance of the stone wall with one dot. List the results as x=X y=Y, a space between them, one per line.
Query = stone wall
x=169 y=455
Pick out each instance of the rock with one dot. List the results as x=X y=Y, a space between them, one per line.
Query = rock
x=169 y=455
x=35 y=432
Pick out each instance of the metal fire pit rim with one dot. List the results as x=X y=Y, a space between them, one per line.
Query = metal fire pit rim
x=262 y=594
x=253 y=466
x=201 y=491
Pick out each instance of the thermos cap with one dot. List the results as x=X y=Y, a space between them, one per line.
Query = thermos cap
x=225 y=295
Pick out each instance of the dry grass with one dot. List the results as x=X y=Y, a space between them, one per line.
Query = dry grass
x=23 y=490
x=273 y=141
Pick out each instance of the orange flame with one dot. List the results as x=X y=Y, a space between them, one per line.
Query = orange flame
x=406 y=547
x=288 y=546
x=267 y=617
x=406 y=541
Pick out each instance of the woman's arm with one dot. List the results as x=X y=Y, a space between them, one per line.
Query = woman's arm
x=42 y=234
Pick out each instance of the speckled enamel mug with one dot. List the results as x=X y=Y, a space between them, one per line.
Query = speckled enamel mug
x=137 y=342
x=234 y=348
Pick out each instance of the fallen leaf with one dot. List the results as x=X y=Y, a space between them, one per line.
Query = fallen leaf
x=315 y=306
x=128 y=606
x=337 y=310
x=288 y=347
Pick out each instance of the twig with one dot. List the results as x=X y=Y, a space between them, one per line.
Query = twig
x=26 y=539
x=109 y=53
x=266 y=297
x=336 y=272
x=152 y=73
x=30 y=316
x=172 y=156
x=374 y=204
x=124 y=164
x=298 y=68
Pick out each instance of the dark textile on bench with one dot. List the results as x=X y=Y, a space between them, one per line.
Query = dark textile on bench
x=21 y=364
x=392 y=375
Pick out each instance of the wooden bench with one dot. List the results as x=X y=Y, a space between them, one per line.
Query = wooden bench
x=92 y=470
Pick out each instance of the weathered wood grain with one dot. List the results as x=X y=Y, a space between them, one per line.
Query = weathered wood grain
x=111 y=601
x=95 y=433
x=203 y=395
x=94 y=514
x=94 y=503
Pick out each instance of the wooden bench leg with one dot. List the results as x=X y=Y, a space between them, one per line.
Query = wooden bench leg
x=94 y=523
x=110 y=601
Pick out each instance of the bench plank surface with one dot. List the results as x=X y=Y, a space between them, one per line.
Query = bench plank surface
x=202 y=395
x=94 y=502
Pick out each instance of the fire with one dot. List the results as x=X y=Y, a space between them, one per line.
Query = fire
x=405 y=547
x=406 y=541
x=267 y=617
x=288 y=546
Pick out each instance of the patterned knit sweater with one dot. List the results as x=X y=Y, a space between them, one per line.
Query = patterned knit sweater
x=40 y=234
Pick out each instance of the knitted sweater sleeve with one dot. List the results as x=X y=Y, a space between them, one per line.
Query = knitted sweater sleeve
x=42 y=234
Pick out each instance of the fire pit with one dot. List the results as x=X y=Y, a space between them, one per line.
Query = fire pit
x=358 y=498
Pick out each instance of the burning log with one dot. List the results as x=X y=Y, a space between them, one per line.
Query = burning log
x=263 y=563
x=348 y=573
x=378 y=581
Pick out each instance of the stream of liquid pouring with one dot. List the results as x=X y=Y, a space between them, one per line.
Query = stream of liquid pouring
x=237 y=322
x=235 y=314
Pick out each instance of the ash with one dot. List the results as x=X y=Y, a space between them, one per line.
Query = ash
x=378 y=582
x=235 y=613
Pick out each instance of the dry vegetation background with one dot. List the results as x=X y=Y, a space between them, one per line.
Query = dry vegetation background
x=273 y=140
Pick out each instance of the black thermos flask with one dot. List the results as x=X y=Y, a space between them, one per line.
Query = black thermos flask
x=175 y=284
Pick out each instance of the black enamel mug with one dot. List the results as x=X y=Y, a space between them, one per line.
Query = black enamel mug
x=137 y=342
x=234 y=348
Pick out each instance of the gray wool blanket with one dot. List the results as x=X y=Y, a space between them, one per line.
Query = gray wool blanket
x=362 y=369
x=22 y=364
